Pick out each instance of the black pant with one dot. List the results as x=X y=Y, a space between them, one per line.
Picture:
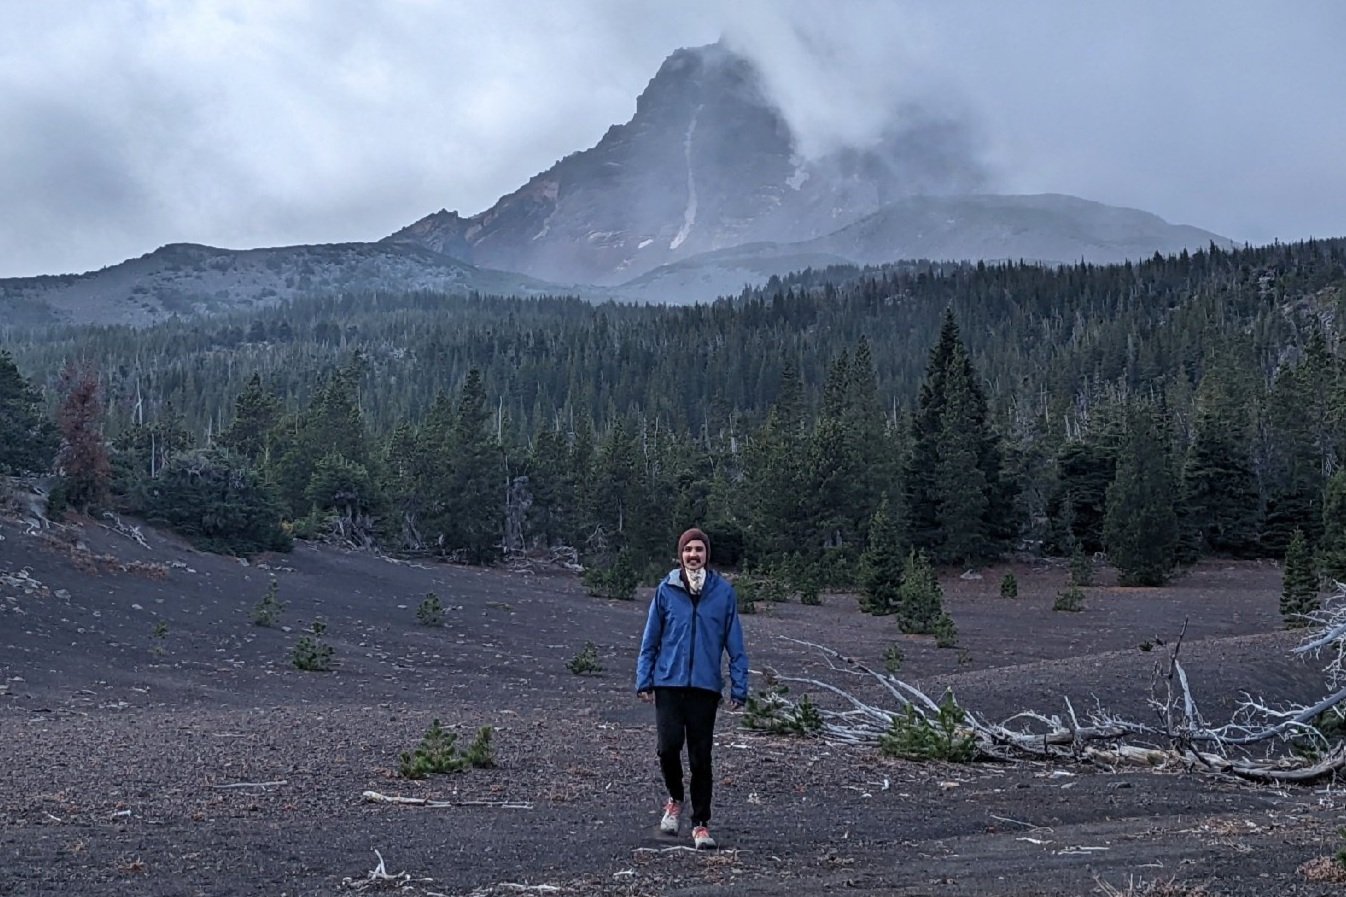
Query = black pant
x=687 y=714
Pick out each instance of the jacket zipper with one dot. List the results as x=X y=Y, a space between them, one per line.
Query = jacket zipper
x=691 y=656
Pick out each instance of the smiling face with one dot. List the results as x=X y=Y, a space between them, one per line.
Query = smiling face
x=694 y=554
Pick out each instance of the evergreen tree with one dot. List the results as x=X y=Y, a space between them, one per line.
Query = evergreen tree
x=1299 y=588
x=1141 y=528
x=1297 y=449
x=218 y=502
x=959 y=508
x=1078 y=505
x=961 y=490
x=921 y=600
x=1220 y=501
x=28 y=438
x=1332 y=545
x=476 y=488
x=256 y=412
x=882 y=564
x=775 y=475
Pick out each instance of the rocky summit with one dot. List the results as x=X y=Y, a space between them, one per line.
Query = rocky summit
x=706 y=163
x=705 y=190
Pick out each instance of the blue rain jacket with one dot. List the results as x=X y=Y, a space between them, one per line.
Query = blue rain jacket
x=684 y=642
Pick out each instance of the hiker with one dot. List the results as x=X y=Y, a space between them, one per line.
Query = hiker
x=693 y=622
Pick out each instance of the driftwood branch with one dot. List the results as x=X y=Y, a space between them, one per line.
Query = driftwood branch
x=376 y=797
x=1182 y=737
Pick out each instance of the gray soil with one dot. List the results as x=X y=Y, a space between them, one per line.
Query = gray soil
x=192 y=758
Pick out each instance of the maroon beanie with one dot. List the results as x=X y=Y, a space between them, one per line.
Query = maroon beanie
x=690 y=535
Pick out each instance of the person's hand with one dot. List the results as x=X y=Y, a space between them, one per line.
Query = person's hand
x=735 y=704
x=646 y=696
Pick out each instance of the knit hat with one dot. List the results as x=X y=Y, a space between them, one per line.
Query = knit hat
x=690 y=535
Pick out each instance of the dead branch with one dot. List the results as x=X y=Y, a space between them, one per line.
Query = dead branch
x=131 y=532
x=1183 y=739
x=379 y=878
x=376 y=797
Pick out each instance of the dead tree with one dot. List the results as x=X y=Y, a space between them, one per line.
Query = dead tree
x=1180 y=736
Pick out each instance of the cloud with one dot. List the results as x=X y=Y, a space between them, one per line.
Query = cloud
x=133 y=123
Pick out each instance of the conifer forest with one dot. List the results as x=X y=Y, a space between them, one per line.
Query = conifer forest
x=1159 y=412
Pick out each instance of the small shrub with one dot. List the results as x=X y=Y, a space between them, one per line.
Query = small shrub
x=921 y=600
x=437 y=754
x=586 y=661
x=1081 y=568
x=267 y=611
x=159 y=633
x=1072 y=600
x=770 y=711
x=746 y=605
x=1009 y=586
x=311 y=653
x=806 y=583
x=762 y=585
x=946 y=633
x=913 y=736
x=430 y=612
x=964 y=658
x=892 y=658
x=480 y=754
x=617 y=581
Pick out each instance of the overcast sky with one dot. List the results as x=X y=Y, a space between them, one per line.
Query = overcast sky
x=127 y=124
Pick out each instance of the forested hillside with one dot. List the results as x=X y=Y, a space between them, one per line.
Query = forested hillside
x=1188 y=405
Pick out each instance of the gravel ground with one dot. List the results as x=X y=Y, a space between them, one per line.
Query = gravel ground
x=159 y=743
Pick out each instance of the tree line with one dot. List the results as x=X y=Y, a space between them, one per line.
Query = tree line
x=1159 y=412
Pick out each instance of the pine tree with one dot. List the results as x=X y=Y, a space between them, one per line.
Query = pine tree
x=1141 y=529
x=475 y=495
x=1332 y=545
x=921 y=598
x=1296 y=449
x=1299 y=587
x=961 y=490
x=217 y=501
x=960 y=508
x=1219 y=488
x=256 y=412
x=883 y=563
x=28 y=438
x=1078 y=507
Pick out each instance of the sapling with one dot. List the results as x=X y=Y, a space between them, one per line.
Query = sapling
x=430 y=612
x=310 y=652
x=267 y=611
x=586 y=661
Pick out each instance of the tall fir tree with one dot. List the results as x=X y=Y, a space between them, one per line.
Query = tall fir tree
x=1332 y=545
x=1219 y=496
x=1299 y=584
x=256 y=413
x=476 y=489
x=976 y=509
x=1141 y=528
x=28 y=438
x=883 y=563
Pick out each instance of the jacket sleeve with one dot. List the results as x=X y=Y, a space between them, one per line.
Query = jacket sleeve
x=738 y=656
x=649 y=644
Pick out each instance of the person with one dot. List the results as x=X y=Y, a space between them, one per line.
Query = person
x=692 y=623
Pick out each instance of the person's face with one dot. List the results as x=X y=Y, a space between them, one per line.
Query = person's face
x=694 y=554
